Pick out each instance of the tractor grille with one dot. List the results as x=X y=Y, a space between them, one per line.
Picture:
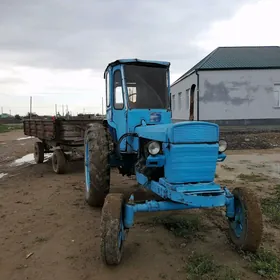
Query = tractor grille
x=195 y=133
x=191 y=163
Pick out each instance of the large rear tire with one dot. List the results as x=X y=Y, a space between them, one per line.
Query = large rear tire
x=97 y=167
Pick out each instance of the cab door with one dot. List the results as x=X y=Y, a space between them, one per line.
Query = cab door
x=117 y=112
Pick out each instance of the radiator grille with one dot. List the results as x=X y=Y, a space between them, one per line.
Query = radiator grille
x=195 y=133
x=191 y=163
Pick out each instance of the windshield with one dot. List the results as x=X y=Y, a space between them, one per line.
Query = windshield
x=147 y=87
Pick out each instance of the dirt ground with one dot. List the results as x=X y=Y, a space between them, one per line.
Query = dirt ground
x=47 y=231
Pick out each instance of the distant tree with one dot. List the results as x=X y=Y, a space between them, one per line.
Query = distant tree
x=33 y=115
x=17 y=117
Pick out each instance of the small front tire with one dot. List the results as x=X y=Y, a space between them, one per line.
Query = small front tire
x=112 y=229
x=246 y=228
x=58 y=162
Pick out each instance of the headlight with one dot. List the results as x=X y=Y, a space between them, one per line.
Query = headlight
x=222 y=146
x=153 y=148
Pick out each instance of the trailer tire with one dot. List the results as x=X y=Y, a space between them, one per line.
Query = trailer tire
x=97 y=167
x=58 y=162
x=39 y=152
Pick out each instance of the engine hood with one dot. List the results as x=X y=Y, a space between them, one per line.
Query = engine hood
x=182 y=132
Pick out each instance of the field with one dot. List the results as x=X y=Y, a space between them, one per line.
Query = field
x=9 y=127
x=49 y=232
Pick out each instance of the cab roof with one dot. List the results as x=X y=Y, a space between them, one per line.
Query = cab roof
x=135 y=61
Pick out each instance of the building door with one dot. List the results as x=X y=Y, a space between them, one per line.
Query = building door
x=191 y=109
x=277 y=95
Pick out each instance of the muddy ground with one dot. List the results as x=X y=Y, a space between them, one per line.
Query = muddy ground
x=48 y=232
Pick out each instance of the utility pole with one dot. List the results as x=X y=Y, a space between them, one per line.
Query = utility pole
x=10 y=112
x=1 y=110
x=55 y=109
x=62 y=110
x=102 y=106
x=30 y=108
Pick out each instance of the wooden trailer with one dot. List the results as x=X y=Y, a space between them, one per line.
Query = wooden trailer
x=61 y=136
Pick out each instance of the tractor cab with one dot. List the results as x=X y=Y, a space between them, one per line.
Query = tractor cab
x=137 y=93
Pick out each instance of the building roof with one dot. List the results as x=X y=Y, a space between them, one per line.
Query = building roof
x=231 y=58
x=4 y=116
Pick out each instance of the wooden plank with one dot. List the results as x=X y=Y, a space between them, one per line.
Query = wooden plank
x=60 y=130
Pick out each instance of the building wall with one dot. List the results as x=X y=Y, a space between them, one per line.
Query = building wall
x=235 y=95
x=239 y=94
x=180 y=108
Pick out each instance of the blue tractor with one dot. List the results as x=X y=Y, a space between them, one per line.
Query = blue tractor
x=176 y=161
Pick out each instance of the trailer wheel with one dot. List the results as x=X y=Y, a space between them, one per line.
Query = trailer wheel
x=58 y=161
x=112 y=229
x=39 y=152
x=97 y=168
x=246 y=228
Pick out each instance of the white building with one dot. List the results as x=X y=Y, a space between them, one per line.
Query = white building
x=231 y=86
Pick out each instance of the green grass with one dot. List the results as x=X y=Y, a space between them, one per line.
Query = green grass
x=202 y=266
x=181 y=226
x=40 y=239
x=265 y=263
x=227 y=182
x=271 y=206
x=6 y=128
x=252 y=177
x=226 y=167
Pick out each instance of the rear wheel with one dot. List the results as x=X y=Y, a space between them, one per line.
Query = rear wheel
x=39 y=152
x=58 y=162
x=97 y=168
x=246 y=228
x=112 y=229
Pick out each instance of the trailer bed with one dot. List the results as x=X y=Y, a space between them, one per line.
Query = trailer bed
x=59 y=130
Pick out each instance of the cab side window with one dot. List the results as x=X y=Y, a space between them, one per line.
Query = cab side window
x=108 y=89
x=118 y=93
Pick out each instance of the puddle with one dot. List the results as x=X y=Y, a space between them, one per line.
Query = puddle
x=2 y=175
x=29 y=159
x=24 y=138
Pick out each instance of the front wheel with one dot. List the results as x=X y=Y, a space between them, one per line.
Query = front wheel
x=112 y=229
x=246 y=228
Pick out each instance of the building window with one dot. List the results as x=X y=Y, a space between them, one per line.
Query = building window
x=187 y=99
x=277 y=95
x=173 y=102
x=179 y=101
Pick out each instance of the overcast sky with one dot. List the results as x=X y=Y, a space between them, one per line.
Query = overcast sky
x=57 y=50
